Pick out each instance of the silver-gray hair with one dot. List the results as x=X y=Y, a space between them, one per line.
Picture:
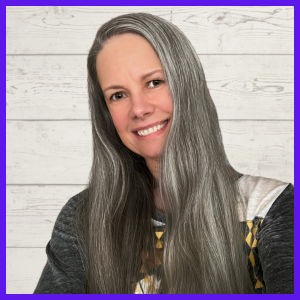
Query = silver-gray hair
x=203 y=247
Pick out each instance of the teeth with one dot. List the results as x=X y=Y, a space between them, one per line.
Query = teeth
x=151 y=130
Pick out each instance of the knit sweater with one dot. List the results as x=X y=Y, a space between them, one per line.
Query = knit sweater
x=266 y=210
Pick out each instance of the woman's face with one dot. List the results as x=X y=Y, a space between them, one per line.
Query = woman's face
x=136 y=94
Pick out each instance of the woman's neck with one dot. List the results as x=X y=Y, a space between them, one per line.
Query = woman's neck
x=153 y=166
x=160 y=205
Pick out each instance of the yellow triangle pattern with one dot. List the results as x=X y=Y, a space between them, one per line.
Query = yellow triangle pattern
x=249 y=239
x=258 y=285
x=143 y=269
x=254 y=231
x=251 y=257
x=250 y=224
x=159 y=244
x=159 y=234
x=137 y=290
x=252 y=242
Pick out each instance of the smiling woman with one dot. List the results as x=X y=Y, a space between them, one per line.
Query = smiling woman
x=164 y=210
x=137 y=95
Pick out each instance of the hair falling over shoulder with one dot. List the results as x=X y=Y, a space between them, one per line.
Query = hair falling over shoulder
x=203 y=250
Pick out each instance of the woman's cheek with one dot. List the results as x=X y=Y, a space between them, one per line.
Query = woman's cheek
x=119 y=121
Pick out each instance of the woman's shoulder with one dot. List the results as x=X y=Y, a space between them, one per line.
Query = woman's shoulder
x=258 y=194
x=266 y=208
x=64 y=270
x=65 y=220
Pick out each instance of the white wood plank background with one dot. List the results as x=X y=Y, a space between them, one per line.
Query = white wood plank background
x=242 y=86
x=212 y=30
x=247 y=56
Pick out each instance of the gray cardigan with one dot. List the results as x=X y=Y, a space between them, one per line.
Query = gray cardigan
x=268 y=217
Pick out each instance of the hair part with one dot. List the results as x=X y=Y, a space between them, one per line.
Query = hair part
x=203 y=246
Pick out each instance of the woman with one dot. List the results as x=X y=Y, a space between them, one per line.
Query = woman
x=164 y=211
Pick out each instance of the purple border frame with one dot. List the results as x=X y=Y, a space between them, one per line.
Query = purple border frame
x=137 y=3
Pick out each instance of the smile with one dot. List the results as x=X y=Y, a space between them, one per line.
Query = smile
x=150 y=131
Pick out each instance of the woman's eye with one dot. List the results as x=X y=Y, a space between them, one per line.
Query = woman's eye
x=117 y=96
x=155 y=82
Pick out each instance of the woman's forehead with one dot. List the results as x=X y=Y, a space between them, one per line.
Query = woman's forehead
x=126 y=45
x=125 y=54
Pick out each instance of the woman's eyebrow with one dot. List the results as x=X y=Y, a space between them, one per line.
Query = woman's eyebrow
x=143 y=77
x=151 y=73
x=115 y=87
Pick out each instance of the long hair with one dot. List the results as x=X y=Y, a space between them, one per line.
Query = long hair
x=203 y=250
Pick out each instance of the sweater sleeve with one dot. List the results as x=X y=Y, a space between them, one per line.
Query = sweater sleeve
x=276 y=245
x=64 y=270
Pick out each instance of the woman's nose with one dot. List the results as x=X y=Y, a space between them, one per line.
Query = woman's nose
x=141 y=106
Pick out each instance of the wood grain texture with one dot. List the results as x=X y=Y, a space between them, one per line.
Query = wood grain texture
x=49 y=152
x=31 y=212
x=247 y=56
x=46 y=87
x=242 y=87
x=23 y=269
x=238 y=30
x=212 y=30
x=55 y=152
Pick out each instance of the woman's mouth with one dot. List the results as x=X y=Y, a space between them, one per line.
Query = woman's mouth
x=152 y=131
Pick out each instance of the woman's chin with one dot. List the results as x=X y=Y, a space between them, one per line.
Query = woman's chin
x=152 y=155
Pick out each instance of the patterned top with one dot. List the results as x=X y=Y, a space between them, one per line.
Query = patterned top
x=266 y=209
x=151 y=269
x=259 y=195
x=147 y=284
x=252 y=229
